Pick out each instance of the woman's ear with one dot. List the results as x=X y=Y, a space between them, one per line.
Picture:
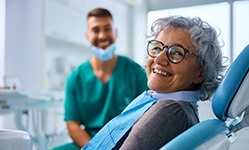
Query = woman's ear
x=199 y=78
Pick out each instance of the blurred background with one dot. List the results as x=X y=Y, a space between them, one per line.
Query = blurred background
x=42 y=41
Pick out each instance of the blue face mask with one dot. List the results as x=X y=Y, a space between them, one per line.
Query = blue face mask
x=106 y=54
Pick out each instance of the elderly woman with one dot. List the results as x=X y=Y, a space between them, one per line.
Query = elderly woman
x=184 y=65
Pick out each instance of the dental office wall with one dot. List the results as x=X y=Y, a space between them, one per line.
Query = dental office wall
x=43 y=40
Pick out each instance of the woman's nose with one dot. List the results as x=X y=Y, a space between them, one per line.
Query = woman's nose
x=162 y=58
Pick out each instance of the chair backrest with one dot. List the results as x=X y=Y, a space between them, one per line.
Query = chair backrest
x=230 y=100
x=231 y=97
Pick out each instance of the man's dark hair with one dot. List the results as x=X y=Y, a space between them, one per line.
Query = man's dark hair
x=99 y=12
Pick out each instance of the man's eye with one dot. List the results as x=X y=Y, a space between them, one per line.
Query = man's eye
x=95 y=30
x=107 y=29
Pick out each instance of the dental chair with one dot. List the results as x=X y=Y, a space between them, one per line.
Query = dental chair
x=15 y=140
x=230 y=105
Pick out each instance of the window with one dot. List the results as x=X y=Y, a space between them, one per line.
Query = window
x=240 y=26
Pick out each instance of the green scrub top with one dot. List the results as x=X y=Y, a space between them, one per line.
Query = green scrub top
x=93 y=103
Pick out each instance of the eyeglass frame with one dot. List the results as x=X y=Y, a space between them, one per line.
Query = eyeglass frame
x=167 y=52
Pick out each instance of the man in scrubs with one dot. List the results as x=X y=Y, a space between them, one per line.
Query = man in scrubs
x=100 y=88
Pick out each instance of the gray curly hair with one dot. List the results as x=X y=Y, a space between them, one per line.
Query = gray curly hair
x=205 y=39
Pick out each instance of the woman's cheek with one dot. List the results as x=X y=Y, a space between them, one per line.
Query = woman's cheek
x=149 y=63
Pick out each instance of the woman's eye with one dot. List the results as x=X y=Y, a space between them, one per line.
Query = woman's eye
x=157 y=49
x=175 y=52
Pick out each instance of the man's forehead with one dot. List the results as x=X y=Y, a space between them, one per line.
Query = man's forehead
x=95 y=22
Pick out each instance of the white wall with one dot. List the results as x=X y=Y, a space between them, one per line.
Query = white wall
x=2 y=39
x=140 y=31
x=2 y=47
x=24 y=42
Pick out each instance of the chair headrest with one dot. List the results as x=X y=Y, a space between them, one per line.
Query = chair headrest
x=232 y=97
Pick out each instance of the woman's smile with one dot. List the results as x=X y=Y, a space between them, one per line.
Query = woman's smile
x=161 y=72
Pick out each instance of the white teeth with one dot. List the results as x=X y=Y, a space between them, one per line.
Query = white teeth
x=160 y=72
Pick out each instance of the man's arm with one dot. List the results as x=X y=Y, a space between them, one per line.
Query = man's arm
x=78 y=135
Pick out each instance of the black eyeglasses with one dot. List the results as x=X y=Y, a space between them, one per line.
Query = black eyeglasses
x=175 y=53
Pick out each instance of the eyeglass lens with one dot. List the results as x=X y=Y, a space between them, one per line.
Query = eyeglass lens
x=174 y=53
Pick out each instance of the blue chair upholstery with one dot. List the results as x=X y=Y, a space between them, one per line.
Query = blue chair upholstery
x=230 y=105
